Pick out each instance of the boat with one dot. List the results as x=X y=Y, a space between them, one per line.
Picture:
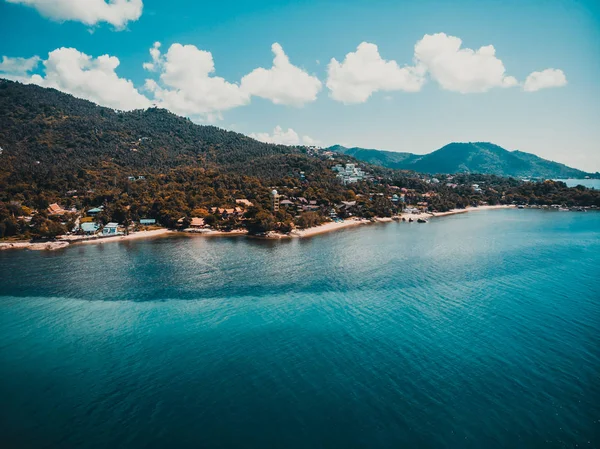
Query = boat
x=421 y=220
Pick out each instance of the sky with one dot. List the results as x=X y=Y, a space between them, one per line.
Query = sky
x=387 y=74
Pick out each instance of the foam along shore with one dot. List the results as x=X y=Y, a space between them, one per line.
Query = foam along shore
x=334 y=226
x=66 y=240
x=297 y=233
x=428 y=215
x=35 y=246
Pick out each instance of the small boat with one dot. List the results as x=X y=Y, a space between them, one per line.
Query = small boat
x=410 y=220
x=520 y=206
x=421 y=220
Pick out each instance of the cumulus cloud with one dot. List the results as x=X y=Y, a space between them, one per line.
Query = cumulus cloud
x=461 y=69
x=187 y=86
x=18 y=66
x=280 y=136
x=155 y=55
x=90 y=12
x=284 y=83
x=544 y=80
x=365 y=72
x=83 y=76
x=439 y=56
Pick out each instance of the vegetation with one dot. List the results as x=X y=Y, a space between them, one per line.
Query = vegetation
x=152 y=164
x=472 y=157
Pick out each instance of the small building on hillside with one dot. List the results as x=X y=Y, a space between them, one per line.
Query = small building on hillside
x=148 y=221
x=89 y=228
x=95 y=211
x=55 y=209
x=111 y=229
x=197 y=222
x=244 y=202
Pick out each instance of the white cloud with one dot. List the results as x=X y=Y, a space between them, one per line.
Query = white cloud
x=545 y=79
x=18 y=66
x=461 y=69
x=284 y=83
x=90 y=12
x=279 y=136
x=155 y=55
x=76 y=73
x=365 y=72
x=309 y=141
x=186 y=86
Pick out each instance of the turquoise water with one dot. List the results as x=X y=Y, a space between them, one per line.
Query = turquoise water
x=476 y=330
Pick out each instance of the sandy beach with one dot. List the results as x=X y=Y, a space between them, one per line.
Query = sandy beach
x=328 y=227
x=117 y=238
x=334 y=226
x=65 y=241
x=428 y=215
x=38 y=246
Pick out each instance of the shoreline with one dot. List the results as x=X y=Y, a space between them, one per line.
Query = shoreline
x=324 y=228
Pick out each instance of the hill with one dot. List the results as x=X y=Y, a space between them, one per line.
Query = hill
x=43 y=130
x=472 y=157
x=55 y=148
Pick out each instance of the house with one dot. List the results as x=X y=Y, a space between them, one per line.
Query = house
x=95 y=211
x=147 y=221
x=244 y=202
x=226 y=212
x=89 y=228
x=197 y=222
x=286 y=203
x=349 y=174
x=310 y=207
x=55 y=209
x=111 y=229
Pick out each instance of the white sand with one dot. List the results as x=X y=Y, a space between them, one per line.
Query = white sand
x=119 y=238
x=322 y=229
x=327 y=227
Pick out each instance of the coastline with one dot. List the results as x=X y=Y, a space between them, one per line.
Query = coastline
x=327 y=227
x=119 y=238
x=297 y=233
x=334 y=226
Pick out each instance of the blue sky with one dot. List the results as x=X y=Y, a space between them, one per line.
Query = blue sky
x=384 y=95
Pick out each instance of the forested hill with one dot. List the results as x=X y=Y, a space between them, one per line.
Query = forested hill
x=472 y=157
x=44 y=131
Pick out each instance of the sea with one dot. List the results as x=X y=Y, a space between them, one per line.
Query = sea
x=589 y=183
x=479 y=330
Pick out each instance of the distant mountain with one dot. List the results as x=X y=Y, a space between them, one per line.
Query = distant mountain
x=472 y=157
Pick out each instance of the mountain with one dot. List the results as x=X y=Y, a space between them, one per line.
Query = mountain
x=44 y=131
x=55 y=148
x=472 y=157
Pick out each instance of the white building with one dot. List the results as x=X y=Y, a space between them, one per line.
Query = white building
x=349 y=174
